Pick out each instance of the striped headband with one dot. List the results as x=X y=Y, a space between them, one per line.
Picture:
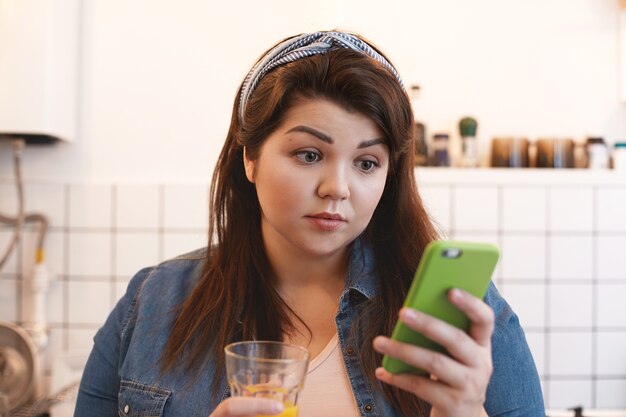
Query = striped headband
x=303 y=46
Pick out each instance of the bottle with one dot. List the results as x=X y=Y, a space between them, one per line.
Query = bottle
x=597 y=153
x=469 y=146
x=421 y=148
x=441 y=157
x=619 y=156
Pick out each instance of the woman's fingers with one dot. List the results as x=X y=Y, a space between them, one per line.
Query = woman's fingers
x=461 y=379
x=479 y=313
x=247 y=406
x=427 y=389
x=456 y=341
x=445 y=400
x=443 y=367
x=459 y=344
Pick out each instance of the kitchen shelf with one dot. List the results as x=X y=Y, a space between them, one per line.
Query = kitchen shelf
x=526 y=176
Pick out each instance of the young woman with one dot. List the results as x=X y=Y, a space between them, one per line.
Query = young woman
x=316 y=230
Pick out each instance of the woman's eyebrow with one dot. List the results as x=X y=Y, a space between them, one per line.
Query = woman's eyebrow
x=371 y=142
x=324 y=137
x=306 y=129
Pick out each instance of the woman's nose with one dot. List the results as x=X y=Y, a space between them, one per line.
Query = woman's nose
x=334 y=184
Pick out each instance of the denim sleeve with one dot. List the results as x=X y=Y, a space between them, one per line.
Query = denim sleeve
x=514 y=389
x=100 y=383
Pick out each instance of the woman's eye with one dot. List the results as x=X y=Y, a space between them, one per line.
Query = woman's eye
x=367 y=165
x=308 y=157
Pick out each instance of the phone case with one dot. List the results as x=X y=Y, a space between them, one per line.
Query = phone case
x=444 y=265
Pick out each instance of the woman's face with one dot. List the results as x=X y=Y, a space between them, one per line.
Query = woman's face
x=319 y=177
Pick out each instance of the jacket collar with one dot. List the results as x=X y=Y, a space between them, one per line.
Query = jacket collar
x=361 y=279
x=361 y=276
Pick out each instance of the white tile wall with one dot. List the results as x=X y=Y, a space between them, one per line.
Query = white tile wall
x=56 y=344
x=8 y=297
x=137 y=206
x=179 y=243
x=528 y=301
x=80 y=340
x=611 y=353
x=571 y=209
x=570 y=305
x=524 y=209
x=90 y=254
x=523 y=257
x=562 y=392
x=570 y=354
x=186 y=206
x=475 y=208
x=48 y=199
x=537 y=344
x=562 y=269
x=567 y=257
x=8 y=204
x=611 y=209
x=437 y=202
x=90 y=302
x=90 y=206
x=611 y=394
x=611 y=257
x=55 y=252
x=120 y=289
x=56 y=301
x=133 y=251
x=612 y=305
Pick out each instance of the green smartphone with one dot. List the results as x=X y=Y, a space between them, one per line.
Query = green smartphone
x=445 y=264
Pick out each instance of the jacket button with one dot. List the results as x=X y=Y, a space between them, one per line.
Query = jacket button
x=350 y=351
x=126 y=409
x=369 y=408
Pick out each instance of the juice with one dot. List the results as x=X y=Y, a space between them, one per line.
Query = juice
x=289 y=411
x=269 y=390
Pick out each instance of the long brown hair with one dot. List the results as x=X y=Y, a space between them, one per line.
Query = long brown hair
x=234 y=297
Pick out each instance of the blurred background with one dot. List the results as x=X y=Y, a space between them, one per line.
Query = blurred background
x=136 y=99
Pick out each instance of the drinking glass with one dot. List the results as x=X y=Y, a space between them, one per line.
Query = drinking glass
x=264 y=369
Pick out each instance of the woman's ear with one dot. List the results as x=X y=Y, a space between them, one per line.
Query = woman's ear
x=248 y=165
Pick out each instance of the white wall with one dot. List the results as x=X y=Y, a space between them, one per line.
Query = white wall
x=158 y=77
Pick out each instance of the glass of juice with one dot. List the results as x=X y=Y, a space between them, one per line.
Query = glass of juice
x=266 y=369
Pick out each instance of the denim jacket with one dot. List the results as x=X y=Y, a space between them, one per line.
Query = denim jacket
x=122 y=376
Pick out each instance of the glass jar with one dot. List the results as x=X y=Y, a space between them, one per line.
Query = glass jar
x=597 y=154
x=441 y=157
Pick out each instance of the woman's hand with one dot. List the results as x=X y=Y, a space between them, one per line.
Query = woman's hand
x=247 y=406
x=458 y=384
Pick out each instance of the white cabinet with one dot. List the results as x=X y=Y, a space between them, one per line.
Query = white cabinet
x=39 y=44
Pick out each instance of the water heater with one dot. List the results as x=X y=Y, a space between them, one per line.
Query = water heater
x=39 y=69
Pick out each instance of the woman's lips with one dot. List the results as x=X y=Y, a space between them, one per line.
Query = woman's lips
x=326 y=221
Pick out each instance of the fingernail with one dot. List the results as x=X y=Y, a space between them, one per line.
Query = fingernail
x=277 y=407
x=409 y=314
x=456 y=294
x=380 y=342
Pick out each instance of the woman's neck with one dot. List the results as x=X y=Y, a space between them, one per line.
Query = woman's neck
x=301 y=266
x=294 y=270
x=311 y=287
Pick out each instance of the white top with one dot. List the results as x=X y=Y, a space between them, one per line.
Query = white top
x=327 y=391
